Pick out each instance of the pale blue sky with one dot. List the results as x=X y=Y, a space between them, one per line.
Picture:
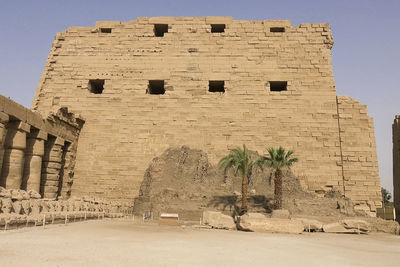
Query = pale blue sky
x=366 y=57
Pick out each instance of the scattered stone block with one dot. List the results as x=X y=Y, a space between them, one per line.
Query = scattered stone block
x=256 y=222
x=170 y=219
x=385 y=226
x=218 y=220
x=335 y=228
x=355 y=224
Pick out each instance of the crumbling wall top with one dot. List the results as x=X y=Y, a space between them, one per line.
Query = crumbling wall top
x=61 y=123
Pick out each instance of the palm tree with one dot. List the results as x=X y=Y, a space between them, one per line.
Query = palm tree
x=239 y=159
x=278 y=159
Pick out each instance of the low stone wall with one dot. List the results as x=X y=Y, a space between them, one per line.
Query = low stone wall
x=19 y=207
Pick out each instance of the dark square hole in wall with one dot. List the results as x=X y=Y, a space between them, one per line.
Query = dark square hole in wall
x=217 y=27
x=277 y=29
x=277 y=86
x=216 y=86
x=96 y=86
x=160 y=29
x=156 y=87
x=105 y=30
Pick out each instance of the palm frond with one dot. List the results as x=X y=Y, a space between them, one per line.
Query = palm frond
x=278 y=158
x=239 y=159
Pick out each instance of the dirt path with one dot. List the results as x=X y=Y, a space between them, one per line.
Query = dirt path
x=123 y=243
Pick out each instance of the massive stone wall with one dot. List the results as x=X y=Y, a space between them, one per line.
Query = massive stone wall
x=360 y=163
x=396 y=165
x=126 y=126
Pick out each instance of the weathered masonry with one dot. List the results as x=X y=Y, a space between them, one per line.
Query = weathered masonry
x=210 y=83
x=35 y=153
x=396 y=165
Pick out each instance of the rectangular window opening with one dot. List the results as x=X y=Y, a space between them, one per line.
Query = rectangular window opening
x=278 y=86
x=217 y=27
x=160 y=29
x=216 y=86
x=156 y=87
x=277 y=29
x=105 y=30
x=96 y=86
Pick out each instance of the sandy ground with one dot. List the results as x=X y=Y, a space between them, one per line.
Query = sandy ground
x=125 y=243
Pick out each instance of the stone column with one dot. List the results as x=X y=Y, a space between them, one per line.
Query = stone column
x=3 y=131
x=51 y=167
x=14 y=154
x=33 y=160
x=68 y=169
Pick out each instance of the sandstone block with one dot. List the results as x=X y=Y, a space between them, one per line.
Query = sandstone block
x=335 y=228
x=259 y=223
x=355 y=225
x=170 y=219
x=218 y=220
x=51 y=178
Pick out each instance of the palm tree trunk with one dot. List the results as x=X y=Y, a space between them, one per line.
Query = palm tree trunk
x=244 y=194
x=278 y=189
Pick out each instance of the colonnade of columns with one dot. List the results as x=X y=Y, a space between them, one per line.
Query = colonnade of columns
x=30 y=158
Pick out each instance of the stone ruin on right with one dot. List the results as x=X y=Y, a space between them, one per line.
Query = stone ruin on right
x=396 y=165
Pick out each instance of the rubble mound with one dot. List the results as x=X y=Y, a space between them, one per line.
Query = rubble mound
x=183 y=181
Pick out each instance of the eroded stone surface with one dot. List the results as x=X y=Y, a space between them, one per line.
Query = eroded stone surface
x=355 y=224
x=260 y=223
x=218 y=220
x=335 y=228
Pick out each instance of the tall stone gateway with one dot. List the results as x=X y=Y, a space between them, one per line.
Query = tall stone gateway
x=210 y=83
x=396 y=165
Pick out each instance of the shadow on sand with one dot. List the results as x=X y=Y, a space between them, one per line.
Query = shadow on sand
x=231 y=203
